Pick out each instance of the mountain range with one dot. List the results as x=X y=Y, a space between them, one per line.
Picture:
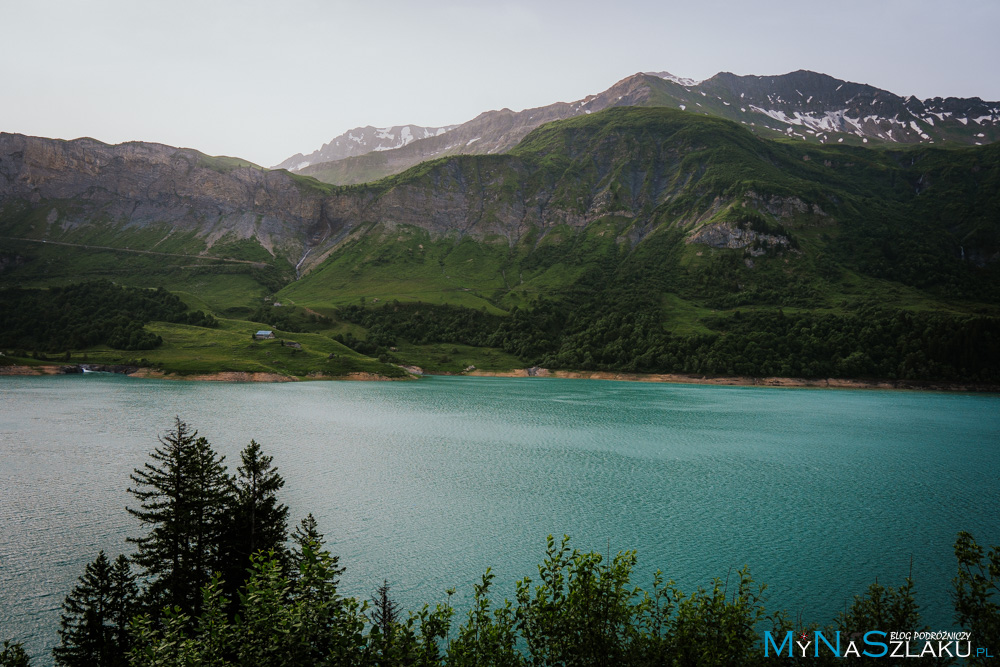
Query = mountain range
x=639 y=172
x=802 y=105
x=695 y=233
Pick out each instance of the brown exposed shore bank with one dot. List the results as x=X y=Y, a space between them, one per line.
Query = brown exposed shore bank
x=674 y=378
x=154 y=374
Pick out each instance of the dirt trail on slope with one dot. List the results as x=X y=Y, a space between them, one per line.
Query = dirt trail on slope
x=133 y=250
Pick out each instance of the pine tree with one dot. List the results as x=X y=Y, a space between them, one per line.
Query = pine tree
x=306 y=539
x=124 y=601
x=263 y=521
x=385 y=614
x=184 y=493
x=94 y=628
x=259 y=522
x=307 y=532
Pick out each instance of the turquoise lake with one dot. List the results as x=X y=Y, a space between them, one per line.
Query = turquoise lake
x=428 y=483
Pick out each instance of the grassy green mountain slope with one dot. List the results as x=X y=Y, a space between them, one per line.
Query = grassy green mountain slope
x=736 y=219
x=688 y=223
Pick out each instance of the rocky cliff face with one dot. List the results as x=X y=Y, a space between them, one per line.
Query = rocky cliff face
x=141 y=185
x=82 y=185
x=643 y=169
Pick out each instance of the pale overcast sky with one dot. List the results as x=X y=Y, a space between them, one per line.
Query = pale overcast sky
x=264 y=79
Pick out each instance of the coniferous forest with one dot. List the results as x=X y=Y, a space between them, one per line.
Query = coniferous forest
x=218 y=579
x=872 y=341
x=85 y=314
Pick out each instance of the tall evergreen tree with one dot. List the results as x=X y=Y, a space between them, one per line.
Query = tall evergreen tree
x=258 y=521
x=94 y=629
x=263 y=520
x=184 y=493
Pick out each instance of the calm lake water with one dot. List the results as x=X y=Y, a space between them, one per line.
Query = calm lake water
x=428 y=483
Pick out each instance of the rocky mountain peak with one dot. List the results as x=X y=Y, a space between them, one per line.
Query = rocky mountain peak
x=679 y=80
x=362 y=140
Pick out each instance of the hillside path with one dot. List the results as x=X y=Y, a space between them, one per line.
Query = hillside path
x=142 y=252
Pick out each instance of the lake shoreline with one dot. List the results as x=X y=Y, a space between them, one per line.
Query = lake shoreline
x=665 y=378
x=156 y=374
x=746 y=381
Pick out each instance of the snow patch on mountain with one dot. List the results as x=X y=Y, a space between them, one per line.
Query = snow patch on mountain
x=829 y=121
x=679 y=80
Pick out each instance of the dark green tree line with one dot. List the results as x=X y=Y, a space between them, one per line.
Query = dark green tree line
x=86 y=314
x=627 y=335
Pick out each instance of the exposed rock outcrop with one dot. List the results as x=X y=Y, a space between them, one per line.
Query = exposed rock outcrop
x=727 y=235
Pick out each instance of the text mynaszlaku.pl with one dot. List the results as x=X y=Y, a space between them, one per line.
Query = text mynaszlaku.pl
x=878 y=644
